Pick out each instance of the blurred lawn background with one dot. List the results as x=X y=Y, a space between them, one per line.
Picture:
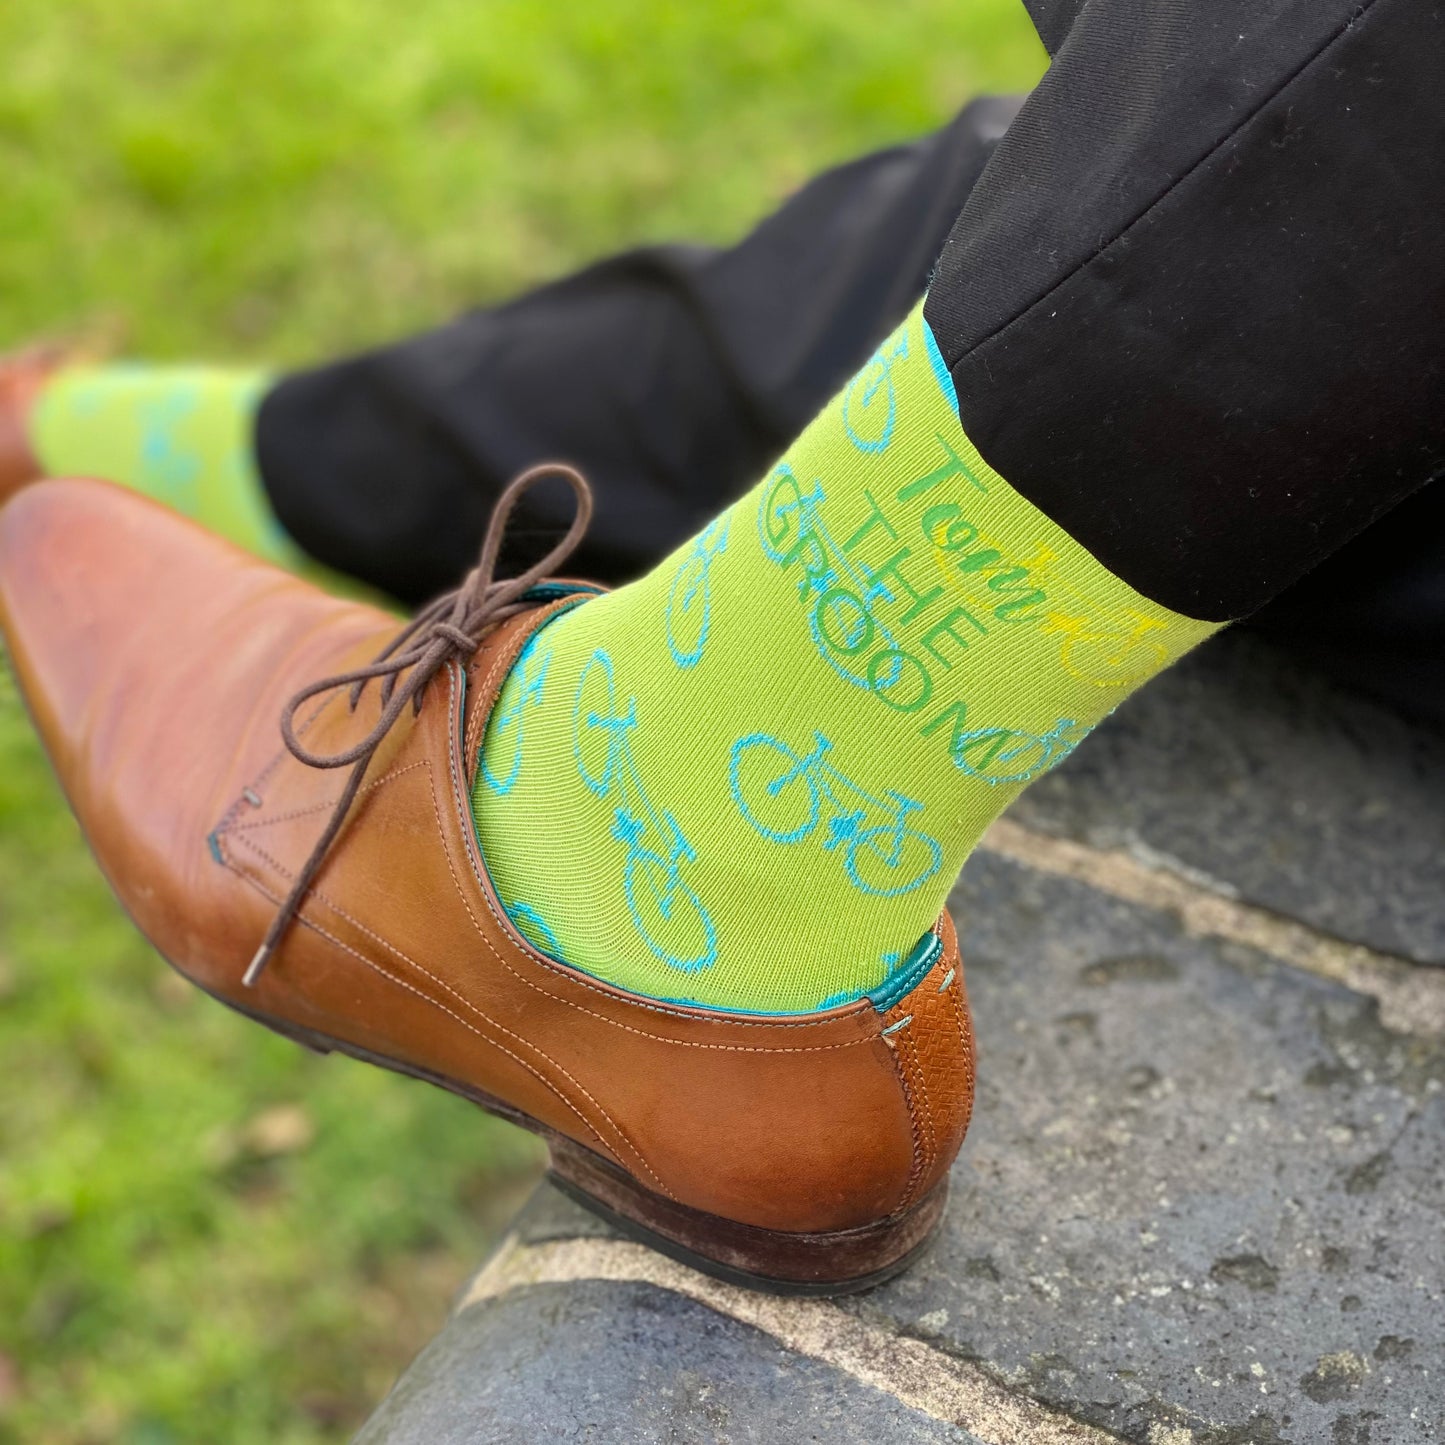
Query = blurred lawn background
x=205 y=1234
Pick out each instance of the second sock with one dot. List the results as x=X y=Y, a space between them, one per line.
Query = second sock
x=180 y=434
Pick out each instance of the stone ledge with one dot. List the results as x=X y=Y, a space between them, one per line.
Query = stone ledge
x=1200 y=1204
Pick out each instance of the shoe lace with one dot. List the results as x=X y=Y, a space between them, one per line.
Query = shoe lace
x=450 y=628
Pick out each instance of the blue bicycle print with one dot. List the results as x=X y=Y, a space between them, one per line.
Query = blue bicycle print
x=170 y=468
x=666 y=911
x=1009 y=755
x=533 y=927
x=523 y=690
x=844 y=622
x=870 y=405
x=689 y=604
x=788 y=795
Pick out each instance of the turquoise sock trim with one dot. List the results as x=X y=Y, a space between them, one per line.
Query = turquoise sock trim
x=907 y=976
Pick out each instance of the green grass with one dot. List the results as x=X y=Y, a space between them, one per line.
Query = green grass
x=206 y=1235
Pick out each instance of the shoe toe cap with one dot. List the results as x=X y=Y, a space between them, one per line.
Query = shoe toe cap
x=153 y=658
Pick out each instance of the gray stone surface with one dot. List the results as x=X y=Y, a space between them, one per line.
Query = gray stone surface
x=1253 y=770
x=1201 y=1203
x=1202 y=1189
x=630 y=1363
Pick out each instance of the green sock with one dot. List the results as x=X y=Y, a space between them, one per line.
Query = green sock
x=180 y=434
x=749 y=779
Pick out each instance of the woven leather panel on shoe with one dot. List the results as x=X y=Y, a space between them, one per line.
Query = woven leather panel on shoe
x=935 y=1054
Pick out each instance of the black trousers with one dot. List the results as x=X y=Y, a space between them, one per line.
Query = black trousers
x=1191 y=292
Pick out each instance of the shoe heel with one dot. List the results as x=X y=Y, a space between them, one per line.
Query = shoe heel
x=832 y=1263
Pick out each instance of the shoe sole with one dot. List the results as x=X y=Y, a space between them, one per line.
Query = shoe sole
x=775 y=1261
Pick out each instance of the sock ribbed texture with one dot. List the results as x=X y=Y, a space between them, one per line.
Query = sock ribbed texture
x=179 y=434
x=749 y=779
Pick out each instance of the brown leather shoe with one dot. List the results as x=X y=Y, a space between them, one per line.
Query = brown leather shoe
x=806 y=1153
x=22 y=374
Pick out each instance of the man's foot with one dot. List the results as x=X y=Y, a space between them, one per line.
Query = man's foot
x=806 y=1152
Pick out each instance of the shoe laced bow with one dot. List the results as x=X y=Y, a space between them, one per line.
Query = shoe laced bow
x=449 y=629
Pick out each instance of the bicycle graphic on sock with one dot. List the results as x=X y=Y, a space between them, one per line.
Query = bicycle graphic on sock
x=172 y=469
x=843 y=621
x=1110 y=654
x=689 y=603
x=787 y=796
x=870 y=404
x=533 y=927
x=505 y=731
x=1106 y=646
x=666 y=911
x=1011 y=755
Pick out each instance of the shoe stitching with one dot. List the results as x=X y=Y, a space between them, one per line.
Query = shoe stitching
x=928 y=1110
x=915 y=1172
x=472 y=737
x=965 y=1050
x=921 y=1072
x=323 y=806
x=580 y=980
x=955 y=1007
x=487 y=685
x=312 y=924
x=958 y=1007
x=464 y=1001
x=227 y=823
